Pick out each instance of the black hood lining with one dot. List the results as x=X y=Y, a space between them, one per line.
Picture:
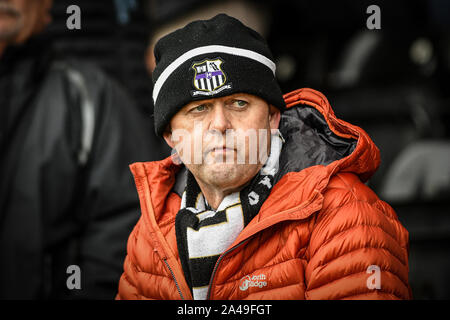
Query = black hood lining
x=309 y=141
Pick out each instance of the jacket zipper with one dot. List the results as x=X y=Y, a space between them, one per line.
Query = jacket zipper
x=174 y=279
x=217 y=265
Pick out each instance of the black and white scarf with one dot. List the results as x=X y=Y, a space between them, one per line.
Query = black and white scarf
x=204 y=234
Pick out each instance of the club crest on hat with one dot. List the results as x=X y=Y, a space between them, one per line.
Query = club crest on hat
x=209 y=78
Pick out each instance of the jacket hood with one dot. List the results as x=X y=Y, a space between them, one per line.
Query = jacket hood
x=314 y=136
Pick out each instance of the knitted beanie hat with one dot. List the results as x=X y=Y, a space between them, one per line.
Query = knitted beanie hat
x=210 y=59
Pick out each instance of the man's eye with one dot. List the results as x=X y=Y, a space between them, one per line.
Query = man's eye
x=240 y=103
x=199 y=108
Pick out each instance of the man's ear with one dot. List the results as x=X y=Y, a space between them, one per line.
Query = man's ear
x=167 y=135
x=274 y=117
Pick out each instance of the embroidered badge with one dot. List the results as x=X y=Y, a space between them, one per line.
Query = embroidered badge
x=209 y=78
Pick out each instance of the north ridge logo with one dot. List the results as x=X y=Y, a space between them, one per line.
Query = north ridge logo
x=209 y=78
x=254 y=281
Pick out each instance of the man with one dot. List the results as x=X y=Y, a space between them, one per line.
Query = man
x=295 y=222
x=68 y=133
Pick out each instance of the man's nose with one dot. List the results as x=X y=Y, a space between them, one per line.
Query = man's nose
x=219 y=119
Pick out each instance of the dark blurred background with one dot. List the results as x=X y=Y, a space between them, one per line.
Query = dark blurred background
x=392 y=82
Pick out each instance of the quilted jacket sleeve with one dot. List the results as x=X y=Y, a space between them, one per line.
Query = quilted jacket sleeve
x=358 y=248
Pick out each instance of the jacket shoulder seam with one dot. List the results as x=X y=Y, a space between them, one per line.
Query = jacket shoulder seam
x=372 y=205
x=347 y=186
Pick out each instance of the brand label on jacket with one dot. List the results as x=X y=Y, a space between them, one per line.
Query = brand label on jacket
x=253 y=281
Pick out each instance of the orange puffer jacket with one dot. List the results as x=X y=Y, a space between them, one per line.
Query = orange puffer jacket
x=321 y=233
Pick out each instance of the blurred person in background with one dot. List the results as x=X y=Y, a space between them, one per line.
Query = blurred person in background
x=67 y=135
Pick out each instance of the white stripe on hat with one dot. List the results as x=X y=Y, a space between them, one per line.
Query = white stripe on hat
x=208 y=49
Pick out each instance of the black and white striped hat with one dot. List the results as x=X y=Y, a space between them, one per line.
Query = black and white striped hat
x=209 y=59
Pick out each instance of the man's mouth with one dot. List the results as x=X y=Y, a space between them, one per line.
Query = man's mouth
x=221 y=150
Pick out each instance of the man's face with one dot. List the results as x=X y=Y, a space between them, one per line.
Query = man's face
x=19 y=19
x=224 y=141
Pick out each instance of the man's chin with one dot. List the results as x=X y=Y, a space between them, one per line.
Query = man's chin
x=227 y=175
x=221 y=170
x=222 y=175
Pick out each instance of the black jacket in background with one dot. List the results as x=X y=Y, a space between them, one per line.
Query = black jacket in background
x=67 y=136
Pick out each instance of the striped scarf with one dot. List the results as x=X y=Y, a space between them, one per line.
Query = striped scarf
x=204 y=234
